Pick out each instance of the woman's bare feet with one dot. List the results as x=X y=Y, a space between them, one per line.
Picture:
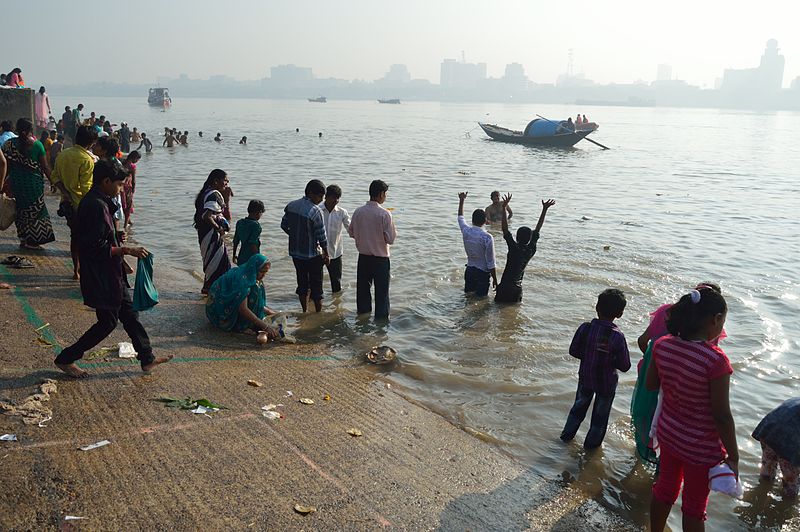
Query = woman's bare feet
x=72 y=370
x=25 y=245
x=156 y=362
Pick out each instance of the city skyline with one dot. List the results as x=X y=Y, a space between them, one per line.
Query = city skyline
x=622 y=42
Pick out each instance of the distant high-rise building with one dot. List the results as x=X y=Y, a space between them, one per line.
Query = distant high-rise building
x=664 y=72
x=460 y=75
x=764 y=79
x=290 y=75
x=515 y=78
x=397 y=74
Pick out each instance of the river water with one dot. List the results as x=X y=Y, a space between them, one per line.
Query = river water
x=683 y=196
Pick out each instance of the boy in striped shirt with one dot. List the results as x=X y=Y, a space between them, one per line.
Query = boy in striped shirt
x=602 y=350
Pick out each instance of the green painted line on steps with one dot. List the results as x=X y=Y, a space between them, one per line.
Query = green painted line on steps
x=30 y=314
x=36 y=321
x=124 y=362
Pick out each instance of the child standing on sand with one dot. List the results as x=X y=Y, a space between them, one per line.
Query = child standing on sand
x=602 y=350
x=248 y=232
x=695 y=428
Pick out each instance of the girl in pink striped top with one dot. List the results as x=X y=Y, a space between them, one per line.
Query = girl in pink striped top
x=695 y=430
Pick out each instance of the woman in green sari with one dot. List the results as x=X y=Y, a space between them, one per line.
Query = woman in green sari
x=237 y=300
x=27 y=168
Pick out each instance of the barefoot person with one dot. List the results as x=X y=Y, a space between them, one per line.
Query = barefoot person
x=479 y=246
x=308 y=243
x=237 y=301
x=494 y=212
x=104 y=284
x=27 y=169
x=373 y=230
x=211 y=226
x=520 y=252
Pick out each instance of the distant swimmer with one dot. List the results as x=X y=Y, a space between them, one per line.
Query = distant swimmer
x=136 y=136
x=494 y=212
x=243 y=141
x=320 y=134
x=170 y=140
x=200 y=134
x=148 y=146
x=184 y=139
x=297 y=130
x=218 y=138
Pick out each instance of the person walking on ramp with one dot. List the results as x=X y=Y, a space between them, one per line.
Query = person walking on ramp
x=104 y=284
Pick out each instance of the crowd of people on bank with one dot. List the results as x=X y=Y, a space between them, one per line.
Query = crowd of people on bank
x=680 y=410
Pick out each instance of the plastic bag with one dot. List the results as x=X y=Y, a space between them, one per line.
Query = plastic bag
x=8 y=212
x=145 y=295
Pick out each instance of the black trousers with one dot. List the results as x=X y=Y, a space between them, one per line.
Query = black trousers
x=335 y=273
x=309 y=277
x=372 y=269
x=476 y=281
x=106 y=323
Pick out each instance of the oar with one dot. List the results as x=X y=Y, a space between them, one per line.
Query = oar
x=585 y=138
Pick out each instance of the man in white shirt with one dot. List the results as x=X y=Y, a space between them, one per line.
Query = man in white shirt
x=335 y=219
x=479 y=246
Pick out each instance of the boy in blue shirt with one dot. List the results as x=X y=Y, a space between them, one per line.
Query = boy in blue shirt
x=248 y=231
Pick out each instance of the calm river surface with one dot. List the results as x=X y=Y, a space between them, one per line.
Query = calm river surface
x=683 y=196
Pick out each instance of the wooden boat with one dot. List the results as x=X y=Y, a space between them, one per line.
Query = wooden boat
x=389 y=100
x=318 y=99
x=159 y=97
x=563 y=140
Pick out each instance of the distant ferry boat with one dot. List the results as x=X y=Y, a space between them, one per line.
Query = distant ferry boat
x=389 y=100
x=159 y=97
x=318 y=99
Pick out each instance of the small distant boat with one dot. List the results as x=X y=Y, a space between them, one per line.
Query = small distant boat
x=159 y=97
x=540 y=132
x=389 y=100
x=318 y=99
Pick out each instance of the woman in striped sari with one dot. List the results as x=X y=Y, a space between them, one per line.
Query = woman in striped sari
x=211 y=226
x=27 y=169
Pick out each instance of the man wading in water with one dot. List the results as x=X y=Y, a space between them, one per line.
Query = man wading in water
x=104 y=284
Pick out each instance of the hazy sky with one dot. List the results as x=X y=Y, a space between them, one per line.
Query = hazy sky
x=613 y=40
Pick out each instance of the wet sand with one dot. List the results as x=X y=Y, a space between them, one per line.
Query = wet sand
x=168 y=468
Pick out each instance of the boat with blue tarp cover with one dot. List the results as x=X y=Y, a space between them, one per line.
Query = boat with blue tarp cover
x=541 y=132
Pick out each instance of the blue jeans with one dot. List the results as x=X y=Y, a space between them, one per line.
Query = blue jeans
x=600 y=413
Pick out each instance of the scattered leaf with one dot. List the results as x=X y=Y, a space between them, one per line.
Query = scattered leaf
x=304 y=510
x=188 y=403
x=306 y=401
x=355 y=433
x=255 y=384
x=271 y=414
x=327 y=397
x=43 y=341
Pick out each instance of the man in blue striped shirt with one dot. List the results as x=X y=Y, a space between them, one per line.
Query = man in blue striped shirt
x=308 y=245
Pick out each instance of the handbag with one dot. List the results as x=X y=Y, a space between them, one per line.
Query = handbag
x=8 y=212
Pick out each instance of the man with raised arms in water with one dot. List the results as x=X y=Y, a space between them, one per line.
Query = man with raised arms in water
x=494 y=212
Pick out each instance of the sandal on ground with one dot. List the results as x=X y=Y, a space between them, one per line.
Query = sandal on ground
x=9 y=261
x=23 y=264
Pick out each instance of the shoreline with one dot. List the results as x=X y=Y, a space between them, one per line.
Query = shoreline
x=411 y=469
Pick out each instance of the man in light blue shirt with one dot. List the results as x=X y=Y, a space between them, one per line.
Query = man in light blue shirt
x=479 y=246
